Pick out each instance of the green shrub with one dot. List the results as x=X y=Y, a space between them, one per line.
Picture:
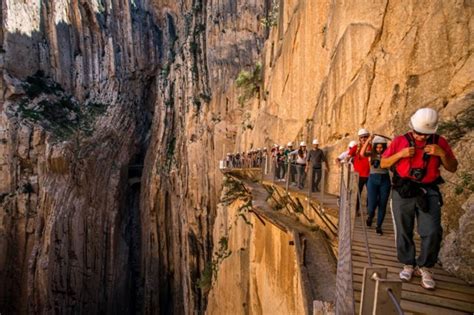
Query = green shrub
x=271 y=19
x=46 y=104
x=249 y=83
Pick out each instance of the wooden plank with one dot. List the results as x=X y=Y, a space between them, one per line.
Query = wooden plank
x=357 y=246
x=413 y=287
x=454 y=287
x=385 y=227
x=386 y=247
x=361 y=257
x=438 y=301
x=420 y=308
x=357 y=264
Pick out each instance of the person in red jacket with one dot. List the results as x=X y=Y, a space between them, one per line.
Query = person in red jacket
x=415 y=159
x=361 y=164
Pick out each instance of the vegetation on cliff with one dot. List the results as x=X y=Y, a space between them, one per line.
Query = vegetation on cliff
x=47 y=104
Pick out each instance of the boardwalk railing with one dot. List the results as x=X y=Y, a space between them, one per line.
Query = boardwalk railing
x=344 y=289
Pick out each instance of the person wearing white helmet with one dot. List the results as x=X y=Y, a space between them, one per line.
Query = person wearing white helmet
x=300 y=162
x=378 y=185
x=316 y=158
x=416 y=158
x=280 y=164
x=290 y=159
x=361 y=164
x=344 y=156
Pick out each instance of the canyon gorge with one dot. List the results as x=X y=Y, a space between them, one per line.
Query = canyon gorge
x=114 y=115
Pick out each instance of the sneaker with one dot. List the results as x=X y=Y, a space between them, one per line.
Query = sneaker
x=406 y=273
x=379 y=231
x=427 y=280
x=369 y=222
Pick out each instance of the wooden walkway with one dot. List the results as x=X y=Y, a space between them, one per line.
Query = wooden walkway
x=452 y=296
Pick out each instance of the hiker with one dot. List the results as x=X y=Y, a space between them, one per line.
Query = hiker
x=316 y=157
x=258 y=157
x=300 y=162
x=238 y=162
x=378 y=185
x=415 y=158
x=291 y=159
x=344 y=156
x=228 y=160
x=280 y=164
x=361 y=165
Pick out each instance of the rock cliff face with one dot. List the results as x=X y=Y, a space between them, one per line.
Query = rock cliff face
x=332 y=67
x=95 y=93
x=114 y=114
x=77 y=101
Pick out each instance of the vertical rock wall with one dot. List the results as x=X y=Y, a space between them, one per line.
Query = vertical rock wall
x=69 y=216
x=332 y=67
x=80 y=226
x=216 y=40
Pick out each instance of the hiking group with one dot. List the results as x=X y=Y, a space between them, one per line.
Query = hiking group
x=414 y=159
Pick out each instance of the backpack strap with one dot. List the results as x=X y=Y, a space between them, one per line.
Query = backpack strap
x=410 y=139
x=433 y=139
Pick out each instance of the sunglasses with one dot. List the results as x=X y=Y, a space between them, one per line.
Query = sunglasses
x=421 y=134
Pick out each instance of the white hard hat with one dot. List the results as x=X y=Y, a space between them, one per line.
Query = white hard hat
x=363 y=132
x=290 y=144
x=315 y=141
x=265 y=148
x=302 y=144
x=352 y=144
x=378 y=139
x=275 y=145
x=425 y=120
x=281 y=148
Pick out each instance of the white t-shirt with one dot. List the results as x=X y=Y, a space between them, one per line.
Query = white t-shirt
x=342 y=157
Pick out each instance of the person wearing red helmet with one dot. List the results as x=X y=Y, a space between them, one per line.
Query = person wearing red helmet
x=415 y=158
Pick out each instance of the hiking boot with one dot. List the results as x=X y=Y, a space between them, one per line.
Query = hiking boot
x=369 y=221
x=378 y=229
x=427 y=280
x=406 y=273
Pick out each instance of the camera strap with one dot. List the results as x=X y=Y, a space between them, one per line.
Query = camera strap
x=433 y=139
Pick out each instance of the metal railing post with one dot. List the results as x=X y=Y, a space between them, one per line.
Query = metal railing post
x=379 y=295
x=273 y=168
x=323 y=181
x=266 y=163
x=311 y=182
x=288 y=177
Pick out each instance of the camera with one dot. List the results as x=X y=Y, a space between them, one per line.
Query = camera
x=376 y=163
x=417 y=173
